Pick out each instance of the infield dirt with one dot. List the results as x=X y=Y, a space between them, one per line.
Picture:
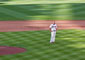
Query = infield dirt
x=32 y=25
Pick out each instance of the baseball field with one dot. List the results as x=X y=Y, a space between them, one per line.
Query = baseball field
x=70 y=43
x=42 y=10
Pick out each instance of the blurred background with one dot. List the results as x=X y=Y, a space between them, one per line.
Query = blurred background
x=42 y=10
x=20 y=15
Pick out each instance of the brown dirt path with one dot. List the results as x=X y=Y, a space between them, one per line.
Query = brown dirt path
x=9 y=26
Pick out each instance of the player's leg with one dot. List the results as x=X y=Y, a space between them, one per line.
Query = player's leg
x=54 y=34
x=52 y=37
x=51 y=40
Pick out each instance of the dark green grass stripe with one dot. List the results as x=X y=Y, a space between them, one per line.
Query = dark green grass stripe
x=4 y=16
x=12 y=13
x=17 y=9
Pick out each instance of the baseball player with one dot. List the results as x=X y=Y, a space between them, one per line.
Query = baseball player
x=53 y=28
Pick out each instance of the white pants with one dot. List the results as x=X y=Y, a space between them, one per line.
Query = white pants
x=53 y=34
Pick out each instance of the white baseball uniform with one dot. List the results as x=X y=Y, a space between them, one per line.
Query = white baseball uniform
x=53 y=32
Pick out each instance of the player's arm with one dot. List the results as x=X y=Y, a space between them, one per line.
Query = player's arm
x=56 y=28
x=50 y=28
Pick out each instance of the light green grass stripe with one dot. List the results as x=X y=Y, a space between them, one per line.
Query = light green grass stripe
x=43 y=1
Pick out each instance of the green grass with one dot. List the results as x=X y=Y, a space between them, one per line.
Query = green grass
x=42 y=10
x=41 y=1
x=68 y=46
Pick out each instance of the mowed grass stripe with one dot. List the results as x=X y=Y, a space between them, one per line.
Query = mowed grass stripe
x=47 y=7
x=13 y=13
x=46 y=10
x=44 y=1
x=39 y=48
x=69 y=11
x=18 y=9
x=4 y=16
x=59 y=10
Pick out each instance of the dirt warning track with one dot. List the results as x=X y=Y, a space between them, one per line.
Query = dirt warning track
x=9 y=26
